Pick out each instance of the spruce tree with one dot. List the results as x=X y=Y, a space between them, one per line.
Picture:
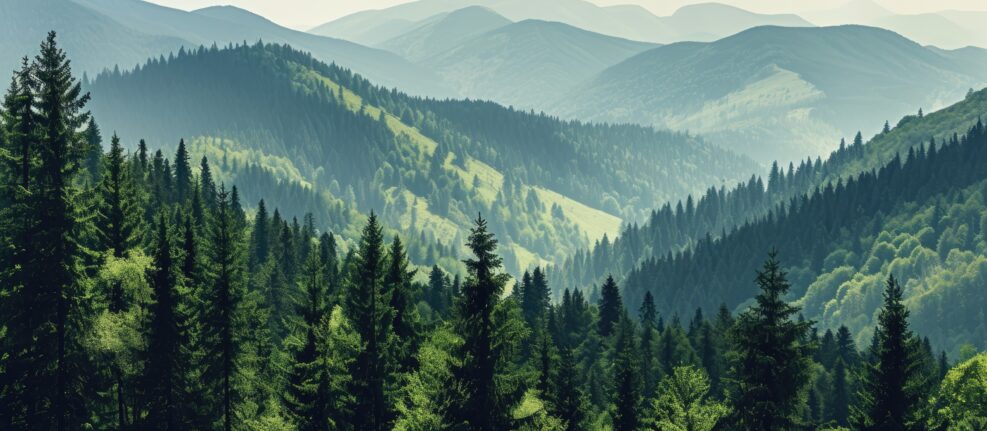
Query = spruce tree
x=367 y=303
x=770 y=363
x=52 y=293
x=119 y=216
x=183 y=173
x=648 y=349
x=489 y=333
x=890 y=394
x=611 y=306
x=221 y=318
x=18 y=388
x=306 y=396
x=570 y=403
x=838 y=403
x=165 y=372
x=535 y=298
x=207 y=187
x=626 y=378
x=398 y=282
x=260 y=240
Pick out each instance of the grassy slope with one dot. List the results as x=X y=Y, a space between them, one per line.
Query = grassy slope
x=592 y=222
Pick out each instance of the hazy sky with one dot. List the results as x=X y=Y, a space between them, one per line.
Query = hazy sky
x=304 y=14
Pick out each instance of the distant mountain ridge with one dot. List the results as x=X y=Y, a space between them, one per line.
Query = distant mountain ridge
x=525 y=63
x=102 y=34
x=443 y=32
x=779 y=93
x=702 y=22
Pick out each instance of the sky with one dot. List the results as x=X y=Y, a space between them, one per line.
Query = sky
x=305 y=14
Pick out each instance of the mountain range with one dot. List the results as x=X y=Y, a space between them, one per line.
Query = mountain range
x=425 y=166
x=701 y=22
x=779 y=93
x=103 y=34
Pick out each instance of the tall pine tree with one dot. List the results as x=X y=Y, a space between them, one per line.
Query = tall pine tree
x=770 y=361
x=891 y=386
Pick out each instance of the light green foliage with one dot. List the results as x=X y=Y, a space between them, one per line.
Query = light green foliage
x=683 y=402
x=961 y=403
x=427 y=394
x=937 y=248
x=118 y=337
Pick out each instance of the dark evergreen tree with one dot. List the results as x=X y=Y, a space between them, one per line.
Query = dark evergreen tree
x=164 y=376
x=367 y=303
x=649 y=348
x=119 y=218
x=611 y=306
x=306 y=396
x=838 y=404
x=489 y=394
x=770 y=363
x=42 y=266
x=891 y=387
x=570 y=403
x=183 y=173
x=398 y=282
x=535 y=298
x=260 y=240
x=627 y=412
x=221 y=319
x=207 y=187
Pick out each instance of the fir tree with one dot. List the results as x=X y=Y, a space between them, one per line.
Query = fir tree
x=891 y=386
x=207 y=187
x=164 y=375
x=648 y=349
x=119 y=218
x=489 y=395
x=838 y=404
x=570 y=404
x=221 y=319
x=770 y=360
x=610 y=306
x=626 y=379
x=183 y=173
x=307 y=396
x=260 y=240
x=368 y=307
x=398 y=283
x=53 y=292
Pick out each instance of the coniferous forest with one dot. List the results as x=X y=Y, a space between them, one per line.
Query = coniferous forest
x=141 y=289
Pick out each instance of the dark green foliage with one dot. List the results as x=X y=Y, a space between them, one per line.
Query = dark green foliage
x=398 y=281
x=770 y=362
x=183 y=173
x=838 y=404
x=118 y=220
x=487 y=328
x=164 y=376
x=892 y=386
x=46 y=368
x=627 y=413
x=221 y=319
x=611 y=306
x=367 y=303
x=307 y=395
x=570 y=404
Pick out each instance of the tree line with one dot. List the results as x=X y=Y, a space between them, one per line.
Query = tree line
x=137 y=293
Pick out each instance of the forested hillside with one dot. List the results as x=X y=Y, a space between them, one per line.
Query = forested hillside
x=920 y=217
x=138 y=294
x=424 y=165
x=675 y=227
